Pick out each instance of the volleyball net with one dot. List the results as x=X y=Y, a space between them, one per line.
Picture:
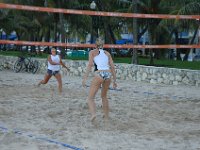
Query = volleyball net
x=97 y=13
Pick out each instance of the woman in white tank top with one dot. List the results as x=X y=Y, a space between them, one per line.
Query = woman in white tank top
x=54 y=62
x=104 y=69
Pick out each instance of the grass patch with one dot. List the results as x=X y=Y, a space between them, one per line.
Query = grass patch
x=195 y=65
x=10 y=53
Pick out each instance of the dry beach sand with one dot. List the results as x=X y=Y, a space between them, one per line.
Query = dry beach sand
x=143 y=116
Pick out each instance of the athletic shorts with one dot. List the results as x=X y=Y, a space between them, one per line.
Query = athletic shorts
x=50 y=72
x=104 y=74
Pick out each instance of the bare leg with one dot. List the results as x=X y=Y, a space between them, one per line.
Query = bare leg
x=59 y=79
x=105 y=102
x=45 y=80
x=95 y=85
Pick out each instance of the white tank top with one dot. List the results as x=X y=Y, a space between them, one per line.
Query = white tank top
x=55 y=59
x=102 y=61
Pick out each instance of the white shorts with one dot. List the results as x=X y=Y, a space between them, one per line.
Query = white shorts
x=104 y=74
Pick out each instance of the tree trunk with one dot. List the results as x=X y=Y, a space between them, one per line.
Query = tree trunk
x=62 y=30
x=135 y=33
x=176 y=42
x=191 y=42
x=151 y=39
x=107 y=33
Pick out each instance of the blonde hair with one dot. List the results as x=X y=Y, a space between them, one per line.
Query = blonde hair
x=53 y=49
x=99 y=43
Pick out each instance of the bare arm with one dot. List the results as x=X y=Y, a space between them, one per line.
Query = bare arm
x=88 y=69
x=62 y=64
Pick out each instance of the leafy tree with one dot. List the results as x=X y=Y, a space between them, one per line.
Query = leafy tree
x=38 y=26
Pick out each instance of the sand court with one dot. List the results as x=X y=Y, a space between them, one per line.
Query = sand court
x=142 y=116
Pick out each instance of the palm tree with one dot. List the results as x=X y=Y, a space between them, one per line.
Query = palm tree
x=156 y=27
x=135 y=32
x=184 y=7
x=110 y=26
x=46 y=25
